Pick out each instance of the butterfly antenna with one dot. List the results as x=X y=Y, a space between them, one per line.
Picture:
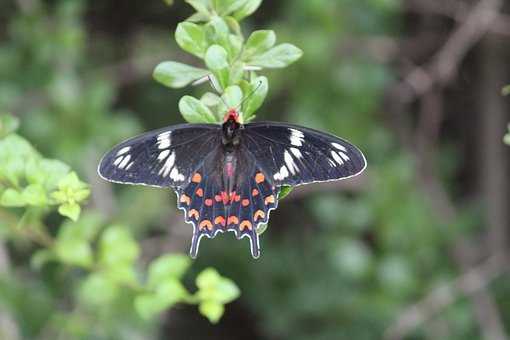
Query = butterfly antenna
x=249 y=96
x=214 y=85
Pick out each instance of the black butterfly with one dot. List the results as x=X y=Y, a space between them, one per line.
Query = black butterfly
x=228 y=177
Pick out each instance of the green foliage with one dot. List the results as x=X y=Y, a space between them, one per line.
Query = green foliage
x=214 y=35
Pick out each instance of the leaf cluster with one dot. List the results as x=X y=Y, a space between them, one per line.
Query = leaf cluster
x=230 y=60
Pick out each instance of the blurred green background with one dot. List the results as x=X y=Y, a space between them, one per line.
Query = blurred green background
x=416 y=248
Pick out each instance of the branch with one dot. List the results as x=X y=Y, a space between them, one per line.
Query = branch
x=469 y=283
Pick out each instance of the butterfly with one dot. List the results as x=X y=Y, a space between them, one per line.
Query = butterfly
x=228 y=177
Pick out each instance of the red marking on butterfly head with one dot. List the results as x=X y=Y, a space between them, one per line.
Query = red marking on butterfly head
x=232 y=115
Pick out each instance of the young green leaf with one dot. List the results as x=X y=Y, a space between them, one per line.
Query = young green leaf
x=8 y=124
x=202 y=6
x=232 y=96
x=225 y=7
x=71 y=210
x=74 y=251
x=35 y=195
x=167 y=294
x=191 y=38
x=258 y=43
x=177 y=75
x=248 y=9
x=280 y=56
x=216 y=59
x=194 y=111
x=256 y=92
x=167 y=267
x=12 y=198
x=97 y=290
x=212 y=310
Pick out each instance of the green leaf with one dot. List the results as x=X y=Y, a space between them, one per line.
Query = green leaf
x=35 y=195
x=261 y=228
x=71 y=182
x=117 y=248
x=74 y=251
x=233 y=96
x=47 y=172
x=191 y=38
x=12 y=198
x=285 y=190
x=167 y=294
x=210 y=99
x=97 y=290
x=41 y=257
x=506 y=139
x=169 y=2
x=216 y=59
x=249 y=8
x=71 y=210
x=217 y=31
x=167 y=267
x=177 y=75
x=255 y=92
x=194 y=111
x=506 y=90
x=8 y=124
x=277 y=57
x=258 y=43
x=213 y=287
x=212 y=310
x=202 y=6
x=225 y=7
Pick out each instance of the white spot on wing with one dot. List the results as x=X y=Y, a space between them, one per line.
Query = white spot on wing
x=164 y=141
x=339 y=147
x=124 y=162
x=123 y=150
x=165 y=169
x=296 y=137
x=282 y=174
x=289 y=161
x=337 y=158
x=175 y=175
x=117 y=161
x=344 y=156
x=296 y=152
x=163 y=155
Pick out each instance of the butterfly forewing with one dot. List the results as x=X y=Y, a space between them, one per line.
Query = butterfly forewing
x=295 y=155
x=162 y=158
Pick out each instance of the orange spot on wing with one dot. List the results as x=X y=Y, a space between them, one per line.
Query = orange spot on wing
x=233 y=220
x=245 y=225
x=194 y=213
x=245 y=202
x=254 y=192
x=220 y=220
x=269 y=199
x=208 y=202
x=197 y=178
x=185 y=199
x=200 y=192
x=259 y=178
x=259 y=215
x=205 y=224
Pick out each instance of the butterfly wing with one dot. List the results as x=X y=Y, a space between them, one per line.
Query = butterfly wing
x=220 y=199
x=294 y=155
x=161 y=158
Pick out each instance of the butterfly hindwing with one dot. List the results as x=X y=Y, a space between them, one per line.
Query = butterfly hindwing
x=295 y=155
x=162 y=158
x=213 y=207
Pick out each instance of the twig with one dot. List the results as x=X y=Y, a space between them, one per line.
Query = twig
x=444 y=64
x=469 y=283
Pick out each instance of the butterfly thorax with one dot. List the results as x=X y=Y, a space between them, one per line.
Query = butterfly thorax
x=231 y=130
